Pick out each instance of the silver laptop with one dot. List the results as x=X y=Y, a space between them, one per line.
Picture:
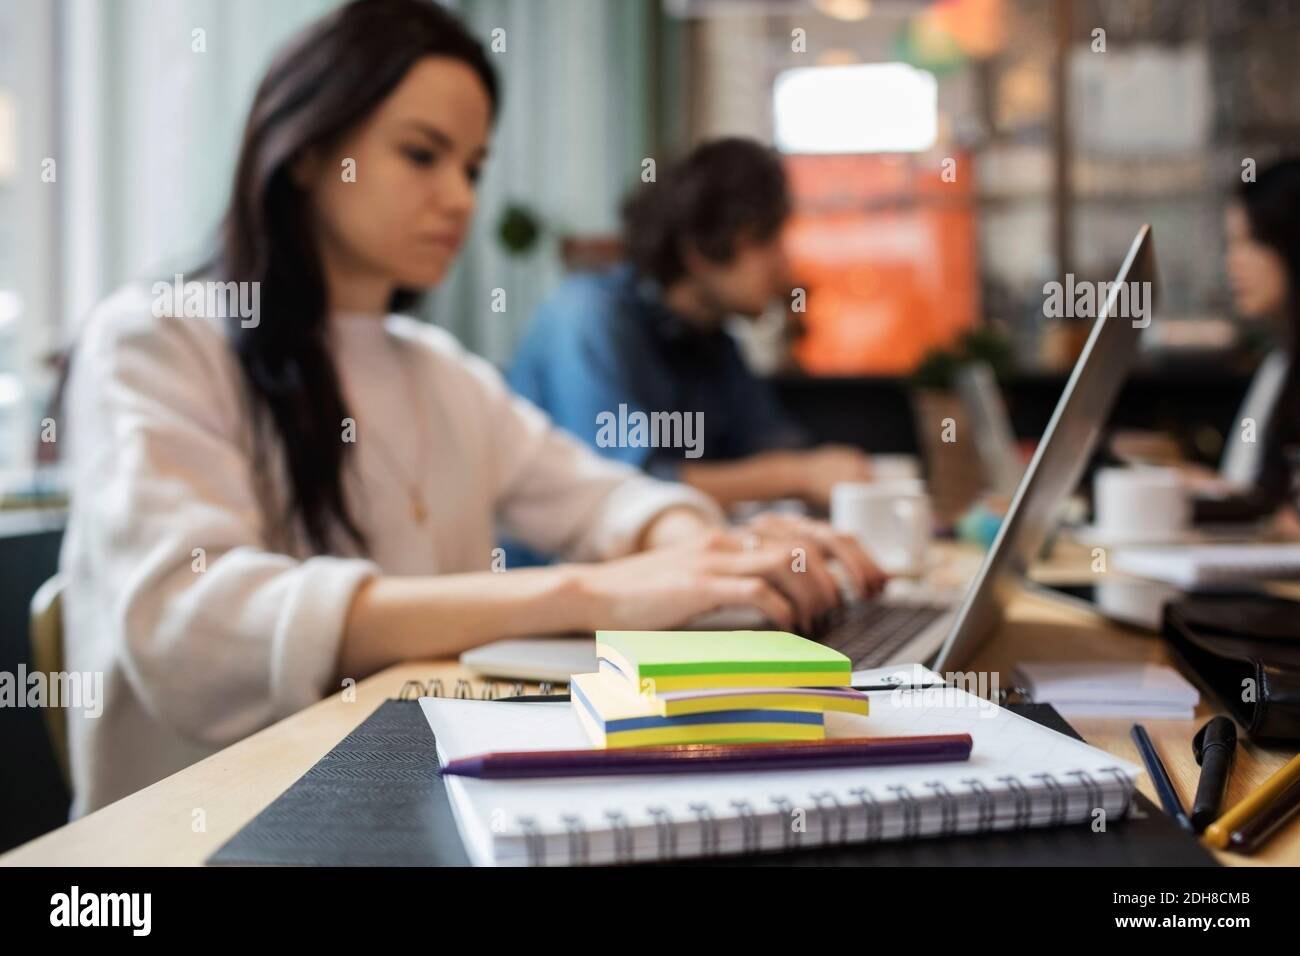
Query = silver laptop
x=883 y=632
x=994 y=439
x=1060 y=459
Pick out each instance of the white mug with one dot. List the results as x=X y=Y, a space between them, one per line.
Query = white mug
x=1140 y=504
x=891 y=519
x=895 y=467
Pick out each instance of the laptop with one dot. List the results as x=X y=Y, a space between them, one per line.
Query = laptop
x=994 y=439
x=885 y=631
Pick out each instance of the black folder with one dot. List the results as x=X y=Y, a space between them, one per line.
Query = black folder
x=377 y=799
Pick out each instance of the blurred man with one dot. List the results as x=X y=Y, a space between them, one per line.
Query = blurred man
x=636 y=361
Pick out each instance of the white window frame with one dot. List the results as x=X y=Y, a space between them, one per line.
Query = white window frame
x=35 y=89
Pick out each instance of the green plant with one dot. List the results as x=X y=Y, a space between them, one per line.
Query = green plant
x=989 y=343
x=938 y=368
x=519 y=229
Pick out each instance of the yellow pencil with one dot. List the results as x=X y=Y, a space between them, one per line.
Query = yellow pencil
x=1219 y=833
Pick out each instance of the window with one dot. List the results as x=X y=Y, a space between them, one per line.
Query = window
x=859 y=108
x=28 y=322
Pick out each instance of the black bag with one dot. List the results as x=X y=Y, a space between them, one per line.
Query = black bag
x=1246 y=649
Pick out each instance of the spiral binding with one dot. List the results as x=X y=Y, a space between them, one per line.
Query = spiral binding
x=790 y=837
x=1024 y=804
x=911 y=811
x=665 y=833
x=622 y=830
x=948 y=808
x=751 y=828
x=834 y=804
x=486 y=690
x=579 y=844
x=533 y=841
x=1126 y=783
x=835 y=815
x=1057 y=795
x=987 y=805
x=875 y=813
x=710 y=838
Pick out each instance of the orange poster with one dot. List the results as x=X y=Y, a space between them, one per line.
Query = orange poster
x=885 y=247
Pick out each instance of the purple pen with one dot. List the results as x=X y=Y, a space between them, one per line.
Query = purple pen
x=715 y=758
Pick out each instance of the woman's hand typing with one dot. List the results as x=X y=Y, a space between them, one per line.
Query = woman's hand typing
x=778 y=564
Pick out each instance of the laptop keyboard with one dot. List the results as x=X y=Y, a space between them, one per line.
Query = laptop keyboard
x=869 y=632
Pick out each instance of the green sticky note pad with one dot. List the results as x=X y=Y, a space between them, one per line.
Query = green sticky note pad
x=686 y=660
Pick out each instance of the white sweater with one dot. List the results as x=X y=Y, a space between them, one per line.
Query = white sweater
x=199 y=648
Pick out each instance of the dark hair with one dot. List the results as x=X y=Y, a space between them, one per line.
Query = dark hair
x=722 y=192
x=328 y=79
x=1272 y=205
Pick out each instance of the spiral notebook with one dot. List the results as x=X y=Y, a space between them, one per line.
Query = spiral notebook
x=479 y=690
x=1020 y=775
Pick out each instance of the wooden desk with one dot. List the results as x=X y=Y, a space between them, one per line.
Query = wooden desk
x=154 y=826
x=1039 y=628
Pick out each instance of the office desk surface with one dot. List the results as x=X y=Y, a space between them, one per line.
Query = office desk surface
x=160 y=825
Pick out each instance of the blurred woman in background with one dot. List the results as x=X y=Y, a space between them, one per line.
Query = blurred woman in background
x=1263 y=259
x=264 y=505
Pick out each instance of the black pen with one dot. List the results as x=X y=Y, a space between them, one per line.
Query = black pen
x=1215 y=744
x=1160 y=777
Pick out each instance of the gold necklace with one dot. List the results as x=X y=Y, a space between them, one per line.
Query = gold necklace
x=419 y=510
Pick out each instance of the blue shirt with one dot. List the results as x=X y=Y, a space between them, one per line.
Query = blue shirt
x=605 y=340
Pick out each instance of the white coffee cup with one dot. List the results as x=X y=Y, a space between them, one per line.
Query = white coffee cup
x=892 y=520
x=894 y=467
x=1138 y=505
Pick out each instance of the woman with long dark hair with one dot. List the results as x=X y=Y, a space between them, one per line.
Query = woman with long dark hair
x=1263 y=233
x=267 y=503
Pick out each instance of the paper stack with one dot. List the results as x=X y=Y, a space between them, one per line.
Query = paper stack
x=1109 y=689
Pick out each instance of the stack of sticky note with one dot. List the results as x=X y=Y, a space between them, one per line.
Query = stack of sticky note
x=680 y=687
